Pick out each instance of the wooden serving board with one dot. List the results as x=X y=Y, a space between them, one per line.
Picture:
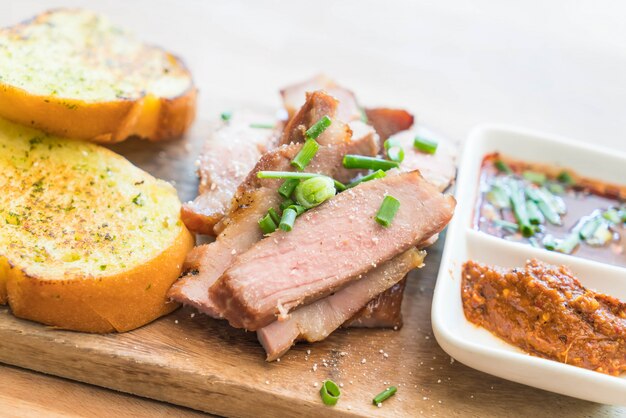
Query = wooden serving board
x=191 y=360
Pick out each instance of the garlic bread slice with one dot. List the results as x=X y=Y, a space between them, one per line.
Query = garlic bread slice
x=74 y=74
x=88 y=241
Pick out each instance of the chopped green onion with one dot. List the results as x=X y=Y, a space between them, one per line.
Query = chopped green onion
x=267 y=224
x=226 y=116
x=549 y=213
x=330 y=392
x=428 y=146
x=570 y=242
x=589 y=227
x=378 y=174
x=314 y=191
x=391 y=142
x=566 y=178
x=395 y=154
x=506 y=224
x=503 y=167
x=262 y=125
x=518 y=203
x=549 y=243
x=498 y=197
x=534 y=213
x=387 y=211
x=299 y=209
x=533 y=241
x=287 y=220
x=384 y=395
x=286 y=203
x=556 y=188
x=306 y=154
x=318 y=128
x=602 y=235
x=613 y=216
x=285 y=175
x=274 y=215
x=370 y=163
x=556 y=201
x=286 y=189
x=534 y=177
x=544 y=204
x=339 y=186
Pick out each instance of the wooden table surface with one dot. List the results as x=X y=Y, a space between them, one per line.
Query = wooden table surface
x=557 y=67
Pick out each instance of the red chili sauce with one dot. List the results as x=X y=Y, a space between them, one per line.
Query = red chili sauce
x=545 y=311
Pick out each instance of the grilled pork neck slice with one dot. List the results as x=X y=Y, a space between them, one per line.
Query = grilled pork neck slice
x=329 y=247
x=228 y=155
x=384 y=310
x=318 y=320
x=240 y=229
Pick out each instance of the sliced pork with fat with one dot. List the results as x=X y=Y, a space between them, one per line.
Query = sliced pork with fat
x=329 y=247
x=240 y=229
x=234 y=219
x=318 y=320
x=228 y=155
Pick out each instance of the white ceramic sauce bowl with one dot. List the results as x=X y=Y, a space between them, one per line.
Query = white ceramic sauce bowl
x=477 y=347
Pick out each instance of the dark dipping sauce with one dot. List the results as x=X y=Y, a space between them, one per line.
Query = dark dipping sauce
x=582 y=201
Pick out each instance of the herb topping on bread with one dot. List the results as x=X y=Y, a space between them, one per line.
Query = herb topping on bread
x=88 y=241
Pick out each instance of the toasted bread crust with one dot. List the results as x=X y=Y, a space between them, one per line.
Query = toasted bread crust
x=4 y=268
x=120 y=302
x=151 y=117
